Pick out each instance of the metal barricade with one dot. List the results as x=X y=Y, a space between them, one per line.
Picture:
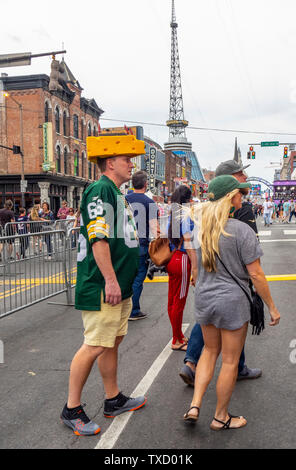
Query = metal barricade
x=35 y=266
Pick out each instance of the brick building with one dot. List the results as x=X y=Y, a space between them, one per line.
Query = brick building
x=55 y=126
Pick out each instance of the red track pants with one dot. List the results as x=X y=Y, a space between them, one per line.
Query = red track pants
x=179 y=269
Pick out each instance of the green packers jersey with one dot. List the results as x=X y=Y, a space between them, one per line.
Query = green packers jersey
x=105 y=215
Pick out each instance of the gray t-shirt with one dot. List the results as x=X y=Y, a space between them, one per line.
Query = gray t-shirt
x=219 y=300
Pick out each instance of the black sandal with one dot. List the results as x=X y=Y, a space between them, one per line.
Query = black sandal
x=191 y=418
x=227 y=424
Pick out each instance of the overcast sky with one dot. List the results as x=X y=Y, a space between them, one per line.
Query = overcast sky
x=237 y=60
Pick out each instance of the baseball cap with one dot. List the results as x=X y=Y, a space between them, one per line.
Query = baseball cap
x=229 y=168
x=224 y=184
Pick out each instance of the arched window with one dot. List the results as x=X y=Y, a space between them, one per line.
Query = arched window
x=57 y=120
x=58 y=159
x=82 y=129
x=76 y=163
x=95 y=131
x=65 y=123
x=65 y=160
x=46 y=112
x=89 y=170
x=75 y=126
x=89 y=129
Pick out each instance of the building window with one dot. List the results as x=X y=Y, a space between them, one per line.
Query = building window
x=46 y=112
x=57 y=120
x=65 y=123
x=95 y=131
x=95 y=172
x=75 y=126
x=82 y=129
x=76 y=163
x=89 y=170
x=89 y=129
x=82 y=164
x=58 y=159
x=65 y=160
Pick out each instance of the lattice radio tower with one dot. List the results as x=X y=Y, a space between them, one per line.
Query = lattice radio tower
x=176 y=122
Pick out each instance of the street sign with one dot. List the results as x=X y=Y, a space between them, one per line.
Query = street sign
x=46 y=166
x=270 y=144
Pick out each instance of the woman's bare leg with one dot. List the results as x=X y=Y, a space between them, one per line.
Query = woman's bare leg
x=206 y=365
x=232 y=345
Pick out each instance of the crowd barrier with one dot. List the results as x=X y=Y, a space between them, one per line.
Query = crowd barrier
x=36 y=265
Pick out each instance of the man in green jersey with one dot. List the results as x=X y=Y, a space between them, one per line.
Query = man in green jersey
x=107 y=264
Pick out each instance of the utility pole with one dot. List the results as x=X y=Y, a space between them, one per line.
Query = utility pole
x=23 y=181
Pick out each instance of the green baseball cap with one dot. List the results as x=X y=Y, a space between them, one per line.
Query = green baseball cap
x=224 y=184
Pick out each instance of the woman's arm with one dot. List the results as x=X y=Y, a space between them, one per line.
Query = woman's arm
x=259 y=280
x=191 y=252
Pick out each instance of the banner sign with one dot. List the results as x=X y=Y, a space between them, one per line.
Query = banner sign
x=152 y=167
x=48 y=163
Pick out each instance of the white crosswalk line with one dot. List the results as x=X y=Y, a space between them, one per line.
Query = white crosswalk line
x=290 y=232
x=264 y=233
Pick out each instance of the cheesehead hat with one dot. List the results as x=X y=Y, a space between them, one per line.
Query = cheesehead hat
x=107 y=146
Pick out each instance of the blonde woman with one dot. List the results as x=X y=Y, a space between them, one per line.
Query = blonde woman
x=36 y=227
x=221 y=307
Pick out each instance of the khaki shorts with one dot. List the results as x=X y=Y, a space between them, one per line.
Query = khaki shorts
x=102 y=327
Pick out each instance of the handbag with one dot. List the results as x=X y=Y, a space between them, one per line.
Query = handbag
x=159 y=251
x=256 y=304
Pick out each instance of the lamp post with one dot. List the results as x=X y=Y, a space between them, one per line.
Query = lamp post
x=163 y=190
x=20 y=106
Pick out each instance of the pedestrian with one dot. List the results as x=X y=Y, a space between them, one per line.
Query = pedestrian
x=281 y=210
x=196 y=343
x=70 y=221
x=267 y=211
x=36 y=227
x=145 y=212
x=47 y=218
x=107 y=265
x=22 y=228
x=292 y=210
x=63 y=211
x=181 y=266
x=221 y=307
x=286 y=212
x=7 y=217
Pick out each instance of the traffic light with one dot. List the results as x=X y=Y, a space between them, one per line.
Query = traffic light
x=56 y=76
x=285 y=152
x=248 y=155
x=16 y=149
x=253 y=155
x=251 y=149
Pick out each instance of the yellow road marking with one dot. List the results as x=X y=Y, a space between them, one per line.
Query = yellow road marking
x=276 y=277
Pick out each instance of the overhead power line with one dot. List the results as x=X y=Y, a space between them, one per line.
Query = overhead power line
x=242 y=131
x=212 y=129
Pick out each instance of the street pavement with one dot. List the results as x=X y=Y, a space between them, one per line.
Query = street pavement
x=40 y=341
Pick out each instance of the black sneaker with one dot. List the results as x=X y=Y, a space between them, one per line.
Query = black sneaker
x=121 y=404
x=139 y=316
x=79 y=422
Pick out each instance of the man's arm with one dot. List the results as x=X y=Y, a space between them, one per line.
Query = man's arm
x=102 y=255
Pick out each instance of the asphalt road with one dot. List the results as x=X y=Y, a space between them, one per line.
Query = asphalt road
x=40 y=341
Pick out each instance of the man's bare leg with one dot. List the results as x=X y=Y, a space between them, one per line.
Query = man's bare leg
x=80 y=369
x=107 y=363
